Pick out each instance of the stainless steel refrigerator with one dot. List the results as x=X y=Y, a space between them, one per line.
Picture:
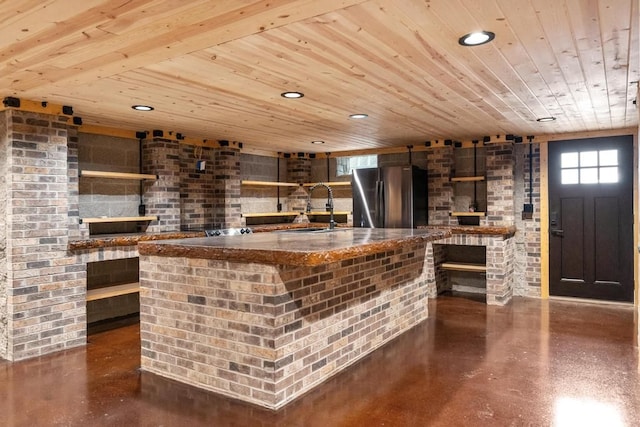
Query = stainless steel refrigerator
x=389 y=197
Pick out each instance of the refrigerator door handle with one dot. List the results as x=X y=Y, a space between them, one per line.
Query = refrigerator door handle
x=381 y=203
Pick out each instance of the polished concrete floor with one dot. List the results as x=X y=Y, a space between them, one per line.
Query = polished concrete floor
x=532 y=363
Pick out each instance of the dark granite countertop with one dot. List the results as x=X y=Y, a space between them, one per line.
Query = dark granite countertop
x=297 y=249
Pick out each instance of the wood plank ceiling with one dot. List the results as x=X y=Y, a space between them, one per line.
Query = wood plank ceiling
x=215 y=69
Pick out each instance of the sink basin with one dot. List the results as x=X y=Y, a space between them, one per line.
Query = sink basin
x=309 y=230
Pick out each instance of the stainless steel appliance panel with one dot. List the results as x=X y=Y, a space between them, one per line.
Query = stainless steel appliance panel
x=365 y=187
x=392 y=197
x=397 y=197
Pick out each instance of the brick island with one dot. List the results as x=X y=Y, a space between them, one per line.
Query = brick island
x=266 y=317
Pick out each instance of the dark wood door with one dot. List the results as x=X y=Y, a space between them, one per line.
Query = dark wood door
x=591 y=218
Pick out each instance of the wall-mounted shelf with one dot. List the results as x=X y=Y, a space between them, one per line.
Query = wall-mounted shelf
x=117 y=219
x=314 y=213
x=269 y=183
x=113 y=291
x=464 y=266
x=467 y=179
x=331 y=184
x=479 y=214
x=269 y=214
x=116 y=175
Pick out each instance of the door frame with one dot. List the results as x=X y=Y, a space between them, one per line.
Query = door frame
x=544 y=205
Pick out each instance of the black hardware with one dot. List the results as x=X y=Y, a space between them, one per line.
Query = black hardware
x=77 y=121
x=557 y=232
x=141 y=135
x=10 y=101
x=67 y=110
x=157 y=133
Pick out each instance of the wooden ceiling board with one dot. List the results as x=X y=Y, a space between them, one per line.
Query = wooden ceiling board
x=214 y=69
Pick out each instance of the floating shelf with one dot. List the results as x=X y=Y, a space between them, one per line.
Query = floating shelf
x=468 y=214
x=113 y=291
x=331 y=184
x=269 y=183
x=467 y=179
x=268 y=214
x=464 y=266
x=117 y=219
x=116 y=175
x=314 y=213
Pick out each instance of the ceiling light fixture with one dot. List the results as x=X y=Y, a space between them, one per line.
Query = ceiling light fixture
x=476 y=38
x=292 y=95
x=142 y=107
x=546 y=119
x=359 y=116
x=317 y=142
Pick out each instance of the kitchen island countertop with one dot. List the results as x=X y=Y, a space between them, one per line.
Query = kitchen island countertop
x=293 y=248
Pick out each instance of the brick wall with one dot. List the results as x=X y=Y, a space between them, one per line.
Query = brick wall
x=500 y=185
x=101 y=196
x=256 y=199
x=528 y=250
x=267 y=334
x=298 y=171
x=226 y=206
x=45 y=290
x=440 y=162
x=500 y=262
x=196 y=188
x=162 y=197
x=4 y=198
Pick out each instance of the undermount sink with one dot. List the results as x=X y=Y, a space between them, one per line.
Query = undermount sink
x=310 y=230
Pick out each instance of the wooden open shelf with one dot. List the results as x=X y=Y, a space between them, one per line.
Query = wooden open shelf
x=269 y=183
x=268 y=214
x=117 y=219
x=467 y=179
x=316 y=213
x=116 y=175
x=464 y=266
x=330 y=184
x=468 y=213
x=113 y=291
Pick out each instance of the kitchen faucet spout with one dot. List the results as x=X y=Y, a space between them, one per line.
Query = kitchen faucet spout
x=332 y=223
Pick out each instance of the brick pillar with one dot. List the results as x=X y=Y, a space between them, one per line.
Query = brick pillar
x=42 y=306
x=162 y=196
x=226 y=188
x=196 y=188
x=298 y=171
x=500 y=185
x=440 y=162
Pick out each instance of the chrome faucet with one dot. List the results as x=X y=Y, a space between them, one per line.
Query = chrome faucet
x=332 y=223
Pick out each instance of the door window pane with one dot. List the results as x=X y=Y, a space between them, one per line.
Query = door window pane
x=569 y=160
x=609 y=175
x=588 y=175
x=570 y=176
x=588 y=158
x=609 y=158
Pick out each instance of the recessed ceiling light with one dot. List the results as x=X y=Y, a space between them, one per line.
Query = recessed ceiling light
x=142 y=107
x=477 y=38
x=545 y=119
x=359 y=116
x=292 y=95
x=317 y=142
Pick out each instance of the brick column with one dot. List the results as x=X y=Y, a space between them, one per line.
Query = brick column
x=440 y=162
x=42 y=290
x=162 y=197
x=500 y=185
x=196 y=188
x=226 y=188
